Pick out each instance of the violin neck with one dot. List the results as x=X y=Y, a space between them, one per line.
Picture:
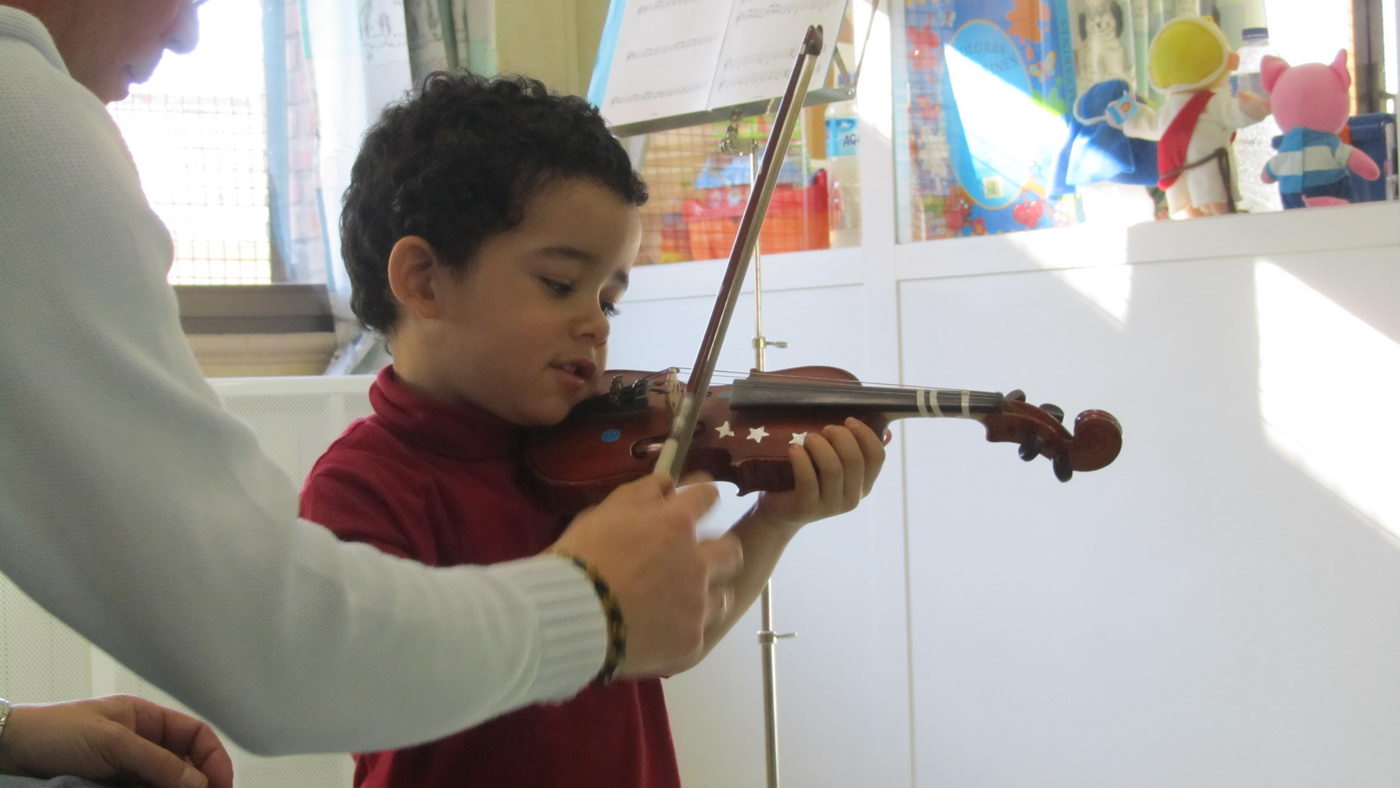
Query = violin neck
x=761 y=394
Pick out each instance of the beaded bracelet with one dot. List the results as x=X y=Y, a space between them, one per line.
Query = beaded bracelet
x=617 y=628
x=4 y=714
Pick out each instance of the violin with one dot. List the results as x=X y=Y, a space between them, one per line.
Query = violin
x=743 y=430
x=648 y=423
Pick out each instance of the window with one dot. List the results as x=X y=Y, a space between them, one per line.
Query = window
x=987 y=88
x=198 y=133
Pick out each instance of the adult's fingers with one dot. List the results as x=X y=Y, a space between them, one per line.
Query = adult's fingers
x=130 y=754
x=696 y=497
x=723 y=558
x=186 y=737
x=721 y=600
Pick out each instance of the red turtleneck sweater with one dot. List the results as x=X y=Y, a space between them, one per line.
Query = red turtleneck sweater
x=438 y=482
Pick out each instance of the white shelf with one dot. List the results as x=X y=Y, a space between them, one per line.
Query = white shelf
x=1366 y=225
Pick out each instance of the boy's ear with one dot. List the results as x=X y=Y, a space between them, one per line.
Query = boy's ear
x=411 y=269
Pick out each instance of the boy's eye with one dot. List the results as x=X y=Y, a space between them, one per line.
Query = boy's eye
x=557 y=286
x=610 y=309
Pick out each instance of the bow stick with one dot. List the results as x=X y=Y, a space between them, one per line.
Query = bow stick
x=677 y=445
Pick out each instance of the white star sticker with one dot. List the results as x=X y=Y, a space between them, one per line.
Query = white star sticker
x=724 y=431
x=799 y=438
x=757 y=434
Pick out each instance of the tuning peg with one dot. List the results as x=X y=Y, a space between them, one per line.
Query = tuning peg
x=1055 y=412
x=1030 y=447
x=1017 y=394
x=1062 y=467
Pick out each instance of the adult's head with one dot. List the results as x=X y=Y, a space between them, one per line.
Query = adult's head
x=110 y=44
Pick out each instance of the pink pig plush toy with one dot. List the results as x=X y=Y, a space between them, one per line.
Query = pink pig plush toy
x=1310 y=103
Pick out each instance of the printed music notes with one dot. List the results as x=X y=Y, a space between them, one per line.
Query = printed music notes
x=672 y=57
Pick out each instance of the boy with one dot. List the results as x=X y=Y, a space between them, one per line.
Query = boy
x=488 y=232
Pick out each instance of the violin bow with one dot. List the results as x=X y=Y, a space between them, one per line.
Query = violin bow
x=673 y=452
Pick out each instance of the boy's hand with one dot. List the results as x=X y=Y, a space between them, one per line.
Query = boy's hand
x=833 y=471
x=121 y=737
x=641 y=540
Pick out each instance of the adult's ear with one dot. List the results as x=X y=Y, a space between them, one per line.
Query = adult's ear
x=411 y=268
x=1270 y=69
x=1339 y=67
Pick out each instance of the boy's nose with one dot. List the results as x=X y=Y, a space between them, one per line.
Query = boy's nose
x=594 y=326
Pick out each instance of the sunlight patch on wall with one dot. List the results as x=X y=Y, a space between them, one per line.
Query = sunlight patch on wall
x=1325 y=378
x=1109 y=288
x=874 y=82
x=1012 y=130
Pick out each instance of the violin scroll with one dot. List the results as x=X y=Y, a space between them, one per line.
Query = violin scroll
x=1039 y=432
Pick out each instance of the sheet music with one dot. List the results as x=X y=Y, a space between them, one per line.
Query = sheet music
x=665 y=59
x=762 y=42
x=679 y=56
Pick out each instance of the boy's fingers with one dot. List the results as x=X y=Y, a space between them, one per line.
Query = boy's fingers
x=804 y=473
x=829 y=469
x=849 y=451
x=872 y=446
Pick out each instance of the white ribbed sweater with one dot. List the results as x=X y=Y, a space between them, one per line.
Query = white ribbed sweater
x=144 y=516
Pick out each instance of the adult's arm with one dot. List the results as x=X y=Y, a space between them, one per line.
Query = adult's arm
x=136 y=510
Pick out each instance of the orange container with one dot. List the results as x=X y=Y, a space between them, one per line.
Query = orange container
x=796 y=220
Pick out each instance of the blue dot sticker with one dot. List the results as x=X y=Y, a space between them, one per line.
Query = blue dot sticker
x=611 y=435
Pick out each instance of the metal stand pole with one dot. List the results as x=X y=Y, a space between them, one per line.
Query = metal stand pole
x=767 y=637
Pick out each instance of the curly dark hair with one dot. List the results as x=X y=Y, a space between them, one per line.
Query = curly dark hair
x=455 y=164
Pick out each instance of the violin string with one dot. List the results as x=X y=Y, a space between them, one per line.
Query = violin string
x=732 y=375
x=978 y=397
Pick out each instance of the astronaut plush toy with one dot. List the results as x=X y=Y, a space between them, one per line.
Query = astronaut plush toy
x=1190 y=60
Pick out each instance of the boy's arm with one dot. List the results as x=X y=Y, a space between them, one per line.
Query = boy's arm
x=345 y=500
x=833 y=472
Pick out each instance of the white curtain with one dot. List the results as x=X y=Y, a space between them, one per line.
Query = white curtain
x=446 y=34
x=363 y=56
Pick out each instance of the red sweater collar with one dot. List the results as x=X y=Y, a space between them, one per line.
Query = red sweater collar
x=450 y=428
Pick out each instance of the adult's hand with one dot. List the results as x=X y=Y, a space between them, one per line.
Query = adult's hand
x=641 y=540
x=120 y=737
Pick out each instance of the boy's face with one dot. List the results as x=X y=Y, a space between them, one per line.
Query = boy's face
x=523 y=332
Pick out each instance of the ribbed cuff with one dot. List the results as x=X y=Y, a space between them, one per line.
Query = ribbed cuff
x=573 y=630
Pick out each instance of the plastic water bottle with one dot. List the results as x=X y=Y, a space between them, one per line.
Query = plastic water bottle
x=843 y=185
x=1254 y=144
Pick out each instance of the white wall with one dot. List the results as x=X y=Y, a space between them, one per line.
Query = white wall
x=1221 y=606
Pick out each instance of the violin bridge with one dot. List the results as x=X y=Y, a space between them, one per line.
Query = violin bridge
x=674 y=390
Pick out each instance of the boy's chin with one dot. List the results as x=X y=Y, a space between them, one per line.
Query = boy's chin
x=542 y=419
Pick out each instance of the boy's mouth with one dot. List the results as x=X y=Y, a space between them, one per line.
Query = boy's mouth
x=582 y=369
